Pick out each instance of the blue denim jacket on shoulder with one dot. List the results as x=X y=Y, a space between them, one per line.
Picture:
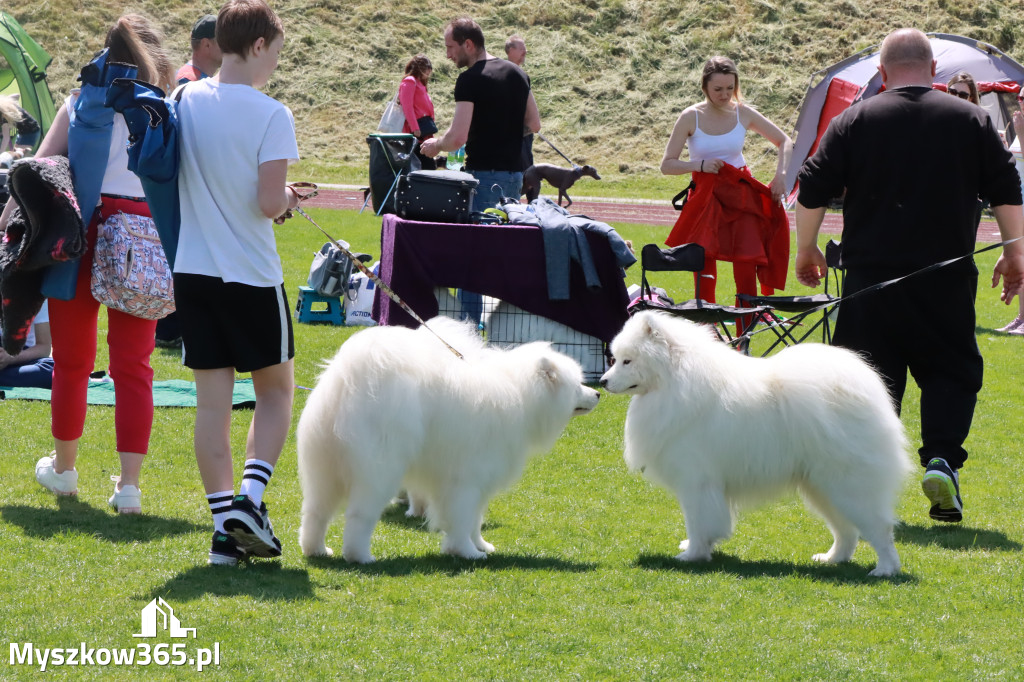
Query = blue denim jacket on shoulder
x=92 y=124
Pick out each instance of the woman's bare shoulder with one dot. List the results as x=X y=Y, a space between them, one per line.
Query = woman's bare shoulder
x=748 y=112
x=688 y=116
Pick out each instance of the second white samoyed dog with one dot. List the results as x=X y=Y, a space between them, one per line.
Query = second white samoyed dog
x=721 y=430
x=397 y=409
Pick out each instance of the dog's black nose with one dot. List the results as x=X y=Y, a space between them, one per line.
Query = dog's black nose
x=604 y=383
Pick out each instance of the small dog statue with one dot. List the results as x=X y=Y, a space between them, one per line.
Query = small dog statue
x=560 y=178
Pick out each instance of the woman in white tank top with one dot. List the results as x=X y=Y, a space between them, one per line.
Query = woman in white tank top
x=714 y=131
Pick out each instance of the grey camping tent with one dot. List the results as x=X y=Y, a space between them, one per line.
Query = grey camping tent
x=834 y=89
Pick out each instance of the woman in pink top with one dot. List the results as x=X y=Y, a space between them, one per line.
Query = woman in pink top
x=714 y=131
x=416 y=104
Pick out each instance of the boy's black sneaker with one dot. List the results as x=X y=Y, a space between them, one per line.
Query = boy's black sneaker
x=942 y=486
x=251 y=528
x=224 y=550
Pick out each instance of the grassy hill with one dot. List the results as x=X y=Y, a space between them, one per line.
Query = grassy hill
x=610 y=76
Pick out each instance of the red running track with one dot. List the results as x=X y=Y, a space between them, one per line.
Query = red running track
x=610 y=211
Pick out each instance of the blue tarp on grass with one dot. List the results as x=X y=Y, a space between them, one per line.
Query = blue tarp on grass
x=173 y=393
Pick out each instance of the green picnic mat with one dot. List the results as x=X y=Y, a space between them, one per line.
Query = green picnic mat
x=173 y=393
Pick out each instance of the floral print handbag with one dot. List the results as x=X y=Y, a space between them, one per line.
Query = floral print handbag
x=129 y=269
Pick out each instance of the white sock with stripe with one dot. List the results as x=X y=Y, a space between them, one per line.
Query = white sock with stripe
x=219 y=505
x=255 y=479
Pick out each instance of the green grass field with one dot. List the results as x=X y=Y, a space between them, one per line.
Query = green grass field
x=582 y=586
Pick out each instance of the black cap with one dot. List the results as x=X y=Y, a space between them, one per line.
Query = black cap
x=204 y=27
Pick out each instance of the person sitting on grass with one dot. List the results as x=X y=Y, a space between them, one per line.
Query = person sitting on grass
x=33 y=366
x=26 y=131
x=236 y=144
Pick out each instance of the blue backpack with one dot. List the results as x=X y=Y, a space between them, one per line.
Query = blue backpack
x=89 y=133
x=152 y=120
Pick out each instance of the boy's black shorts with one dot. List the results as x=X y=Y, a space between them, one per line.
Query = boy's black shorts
x=228 y=324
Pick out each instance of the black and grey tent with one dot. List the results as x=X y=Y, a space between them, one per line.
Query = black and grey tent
x=834 y=89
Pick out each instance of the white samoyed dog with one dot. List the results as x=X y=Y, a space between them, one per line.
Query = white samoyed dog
x=720 y=431
x=395 y=408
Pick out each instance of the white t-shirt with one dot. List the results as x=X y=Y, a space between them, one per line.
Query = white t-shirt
x=43 y=316
x=117 y=179
x=227 y=131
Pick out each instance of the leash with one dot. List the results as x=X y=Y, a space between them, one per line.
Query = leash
x=574 y=164
x=796 y=319
x=376 y=280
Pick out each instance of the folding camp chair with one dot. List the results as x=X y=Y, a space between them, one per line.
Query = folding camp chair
x=391 y=155
x=802 y=307
x=690 y=258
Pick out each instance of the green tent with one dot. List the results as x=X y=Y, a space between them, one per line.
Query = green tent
x=25 y=71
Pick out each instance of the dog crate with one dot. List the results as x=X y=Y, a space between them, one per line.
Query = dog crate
x=506 y=325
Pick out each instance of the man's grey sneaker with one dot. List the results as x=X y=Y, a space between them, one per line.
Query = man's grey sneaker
x=224 y=550
x=251 y=528
x=942 y=486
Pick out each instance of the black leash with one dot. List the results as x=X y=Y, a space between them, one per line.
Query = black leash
x=875 y=287
x=574 y=164
x=376 y=280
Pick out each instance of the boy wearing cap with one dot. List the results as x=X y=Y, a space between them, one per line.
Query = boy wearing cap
x=206 y=54
x=236 y=144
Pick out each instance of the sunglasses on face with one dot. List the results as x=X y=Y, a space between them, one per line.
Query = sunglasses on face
x=960 y=93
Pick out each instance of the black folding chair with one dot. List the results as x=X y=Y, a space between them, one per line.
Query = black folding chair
x=391 y=155
x=802 y=307
x=690 y=258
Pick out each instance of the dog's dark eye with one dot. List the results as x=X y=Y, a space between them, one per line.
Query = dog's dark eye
x=626 y=362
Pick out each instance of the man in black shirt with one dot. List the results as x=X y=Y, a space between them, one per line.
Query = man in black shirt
x=515 y=51
x=493 y=109
x=913 y=162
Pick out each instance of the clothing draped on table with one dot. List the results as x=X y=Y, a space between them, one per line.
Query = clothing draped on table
x=734 y=217
x=565 y=242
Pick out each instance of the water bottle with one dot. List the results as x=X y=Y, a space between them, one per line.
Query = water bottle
x=457 y=158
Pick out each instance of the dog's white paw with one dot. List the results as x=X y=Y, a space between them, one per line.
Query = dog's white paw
x=358 y=557
x=417 y=506
x=322 y=550
x=832 y=557
x=684 y=544
x=466 y=554
x=691 y=555
x=881 y=571
x=484 y=546
x=466 y=549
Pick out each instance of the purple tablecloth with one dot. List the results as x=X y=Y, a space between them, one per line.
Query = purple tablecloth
x=504 y=261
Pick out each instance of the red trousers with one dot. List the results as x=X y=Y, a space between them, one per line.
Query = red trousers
x=745 y=275
x=130 y=340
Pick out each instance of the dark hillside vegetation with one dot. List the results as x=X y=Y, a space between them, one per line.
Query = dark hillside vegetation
x=610 y=76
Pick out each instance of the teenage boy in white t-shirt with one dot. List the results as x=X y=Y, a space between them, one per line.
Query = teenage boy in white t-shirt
x=236 y=144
